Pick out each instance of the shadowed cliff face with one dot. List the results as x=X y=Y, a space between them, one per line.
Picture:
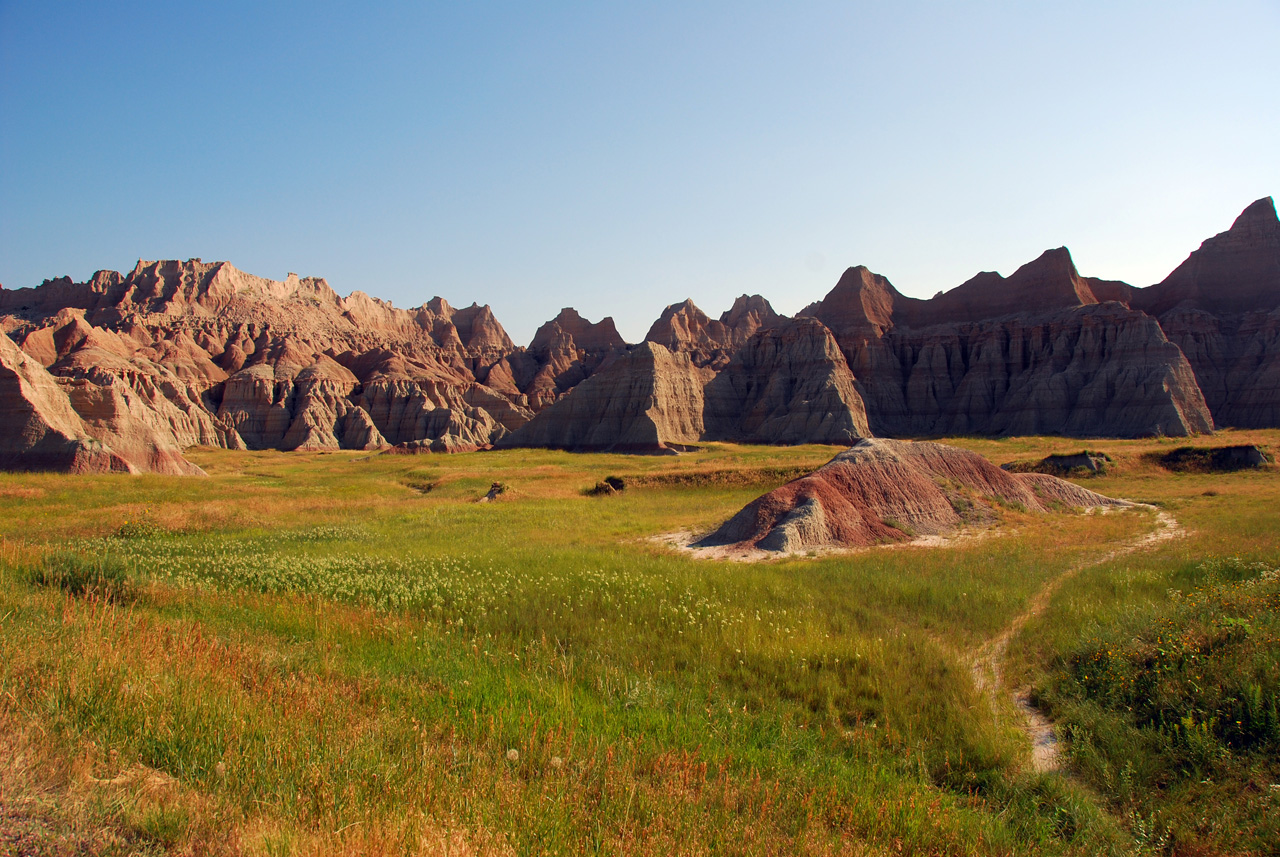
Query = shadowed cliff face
x=1234 y=272
x=564 y=352
x=649 y=400
x=1222 y=308
x=175 y=354
x=1097 y=370
x=968 y=362
x=785 y=384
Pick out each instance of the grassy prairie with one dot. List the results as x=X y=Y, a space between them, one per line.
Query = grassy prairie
x=344 y=653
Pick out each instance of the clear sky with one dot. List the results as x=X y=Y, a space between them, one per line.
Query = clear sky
x=618 y=157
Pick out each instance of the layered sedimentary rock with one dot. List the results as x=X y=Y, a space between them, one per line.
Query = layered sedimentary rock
x=563 y=353
x=883 y=491
x=685 y=329
x=649 y=400
x=76 y=425
x=204 y=354
x=1222 y=308
x=1071 y=365
x=177 y=354
x=786 y=384
x=40 y=430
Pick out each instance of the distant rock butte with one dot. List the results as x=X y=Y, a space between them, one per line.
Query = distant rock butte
x=786 y=384
x=685 y=329
x=649 y=400
x=179 y=354
x=884 y=491
x=1221 y=307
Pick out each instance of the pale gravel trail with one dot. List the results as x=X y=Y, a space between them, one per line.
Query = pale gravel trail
x=988 y=658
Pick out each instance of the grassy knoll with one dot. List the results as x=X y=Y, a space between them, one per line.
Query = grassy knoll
x=344 y=653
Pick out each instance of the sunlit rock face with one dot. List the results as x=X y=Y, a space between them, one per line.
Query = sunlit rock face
x=882 y=491
x=179 y=354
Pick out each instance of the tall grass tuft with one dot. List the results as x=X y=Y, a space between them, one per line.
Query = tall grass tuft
x=86 y=575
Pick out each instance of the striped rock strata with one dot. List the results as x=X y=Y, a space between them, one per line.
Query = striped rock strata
x=884 y=491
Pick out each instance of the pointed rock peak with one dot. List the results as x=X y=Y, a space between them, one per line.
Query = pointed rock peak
x=569 y=316
x=746 y=305
x=440 y=306
x=686 y=307
x=601 y=336
x=858 y=275
x=683 y=326
x=1050 y=281
x=1264 y=209
x=861 y=299
x=1259 y=213
x=1055 y=263
x=749 y=314
x=479 y=329
x=679 y=324
x=1232 y=272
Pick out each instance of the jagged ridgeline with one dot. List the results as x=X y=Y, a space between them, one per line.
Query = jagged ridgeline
x=124 y=372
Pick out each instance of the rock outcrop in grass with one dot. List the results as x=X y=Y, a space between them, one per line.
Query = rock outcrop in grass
x=882 y=491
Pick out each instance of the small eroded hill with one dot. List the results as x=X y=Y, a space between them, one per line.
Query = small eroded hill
x=881 y=491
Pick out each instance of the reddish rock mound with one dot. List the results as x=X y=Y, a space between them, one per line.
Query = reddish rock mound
x=882 y=491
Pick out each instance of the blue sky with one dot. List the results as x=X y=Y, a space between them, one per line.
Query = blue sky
x=620 y=157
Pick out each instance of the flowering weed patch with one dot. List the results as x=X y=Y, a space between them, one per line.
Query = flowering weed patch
x=325 y=658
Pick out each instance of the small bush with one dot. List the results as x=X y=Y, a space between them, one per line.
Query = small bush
x=1086 y=462
x=1203 y=459
x=422 y=486
x=610 y=485
x=497 y=489
x=136 y=530
x=1203 y=674
x=84 y=575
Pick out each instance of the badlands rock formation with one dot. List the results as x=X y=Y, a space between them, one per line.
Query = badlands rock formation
x=649 y=400
x=180 y=354
x=1071 y=365
x=786 y=384
x=1222 y=308
x=44 y=431
x=688 y=330
x=563 y=353
x=186 y=354
x=882 y=491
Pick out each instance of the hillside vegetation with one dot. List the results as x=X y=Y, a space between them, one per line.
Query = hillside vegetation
x=315 y=653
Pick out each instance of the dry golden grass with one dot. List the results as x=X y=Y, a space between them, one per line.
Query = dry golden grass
x=655 y=704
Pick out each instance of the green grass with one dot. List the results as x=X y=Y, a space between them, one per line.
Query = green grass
x=329 y=656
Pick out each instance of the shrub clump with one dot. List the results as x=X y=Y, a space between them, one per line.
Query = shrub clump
x=1086 y=462
x=496 y=490
x=1203 y=459
x=1182 y=699
x=136 y=530
x=1206 y=668
x=83 y=575
x=609 y=485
